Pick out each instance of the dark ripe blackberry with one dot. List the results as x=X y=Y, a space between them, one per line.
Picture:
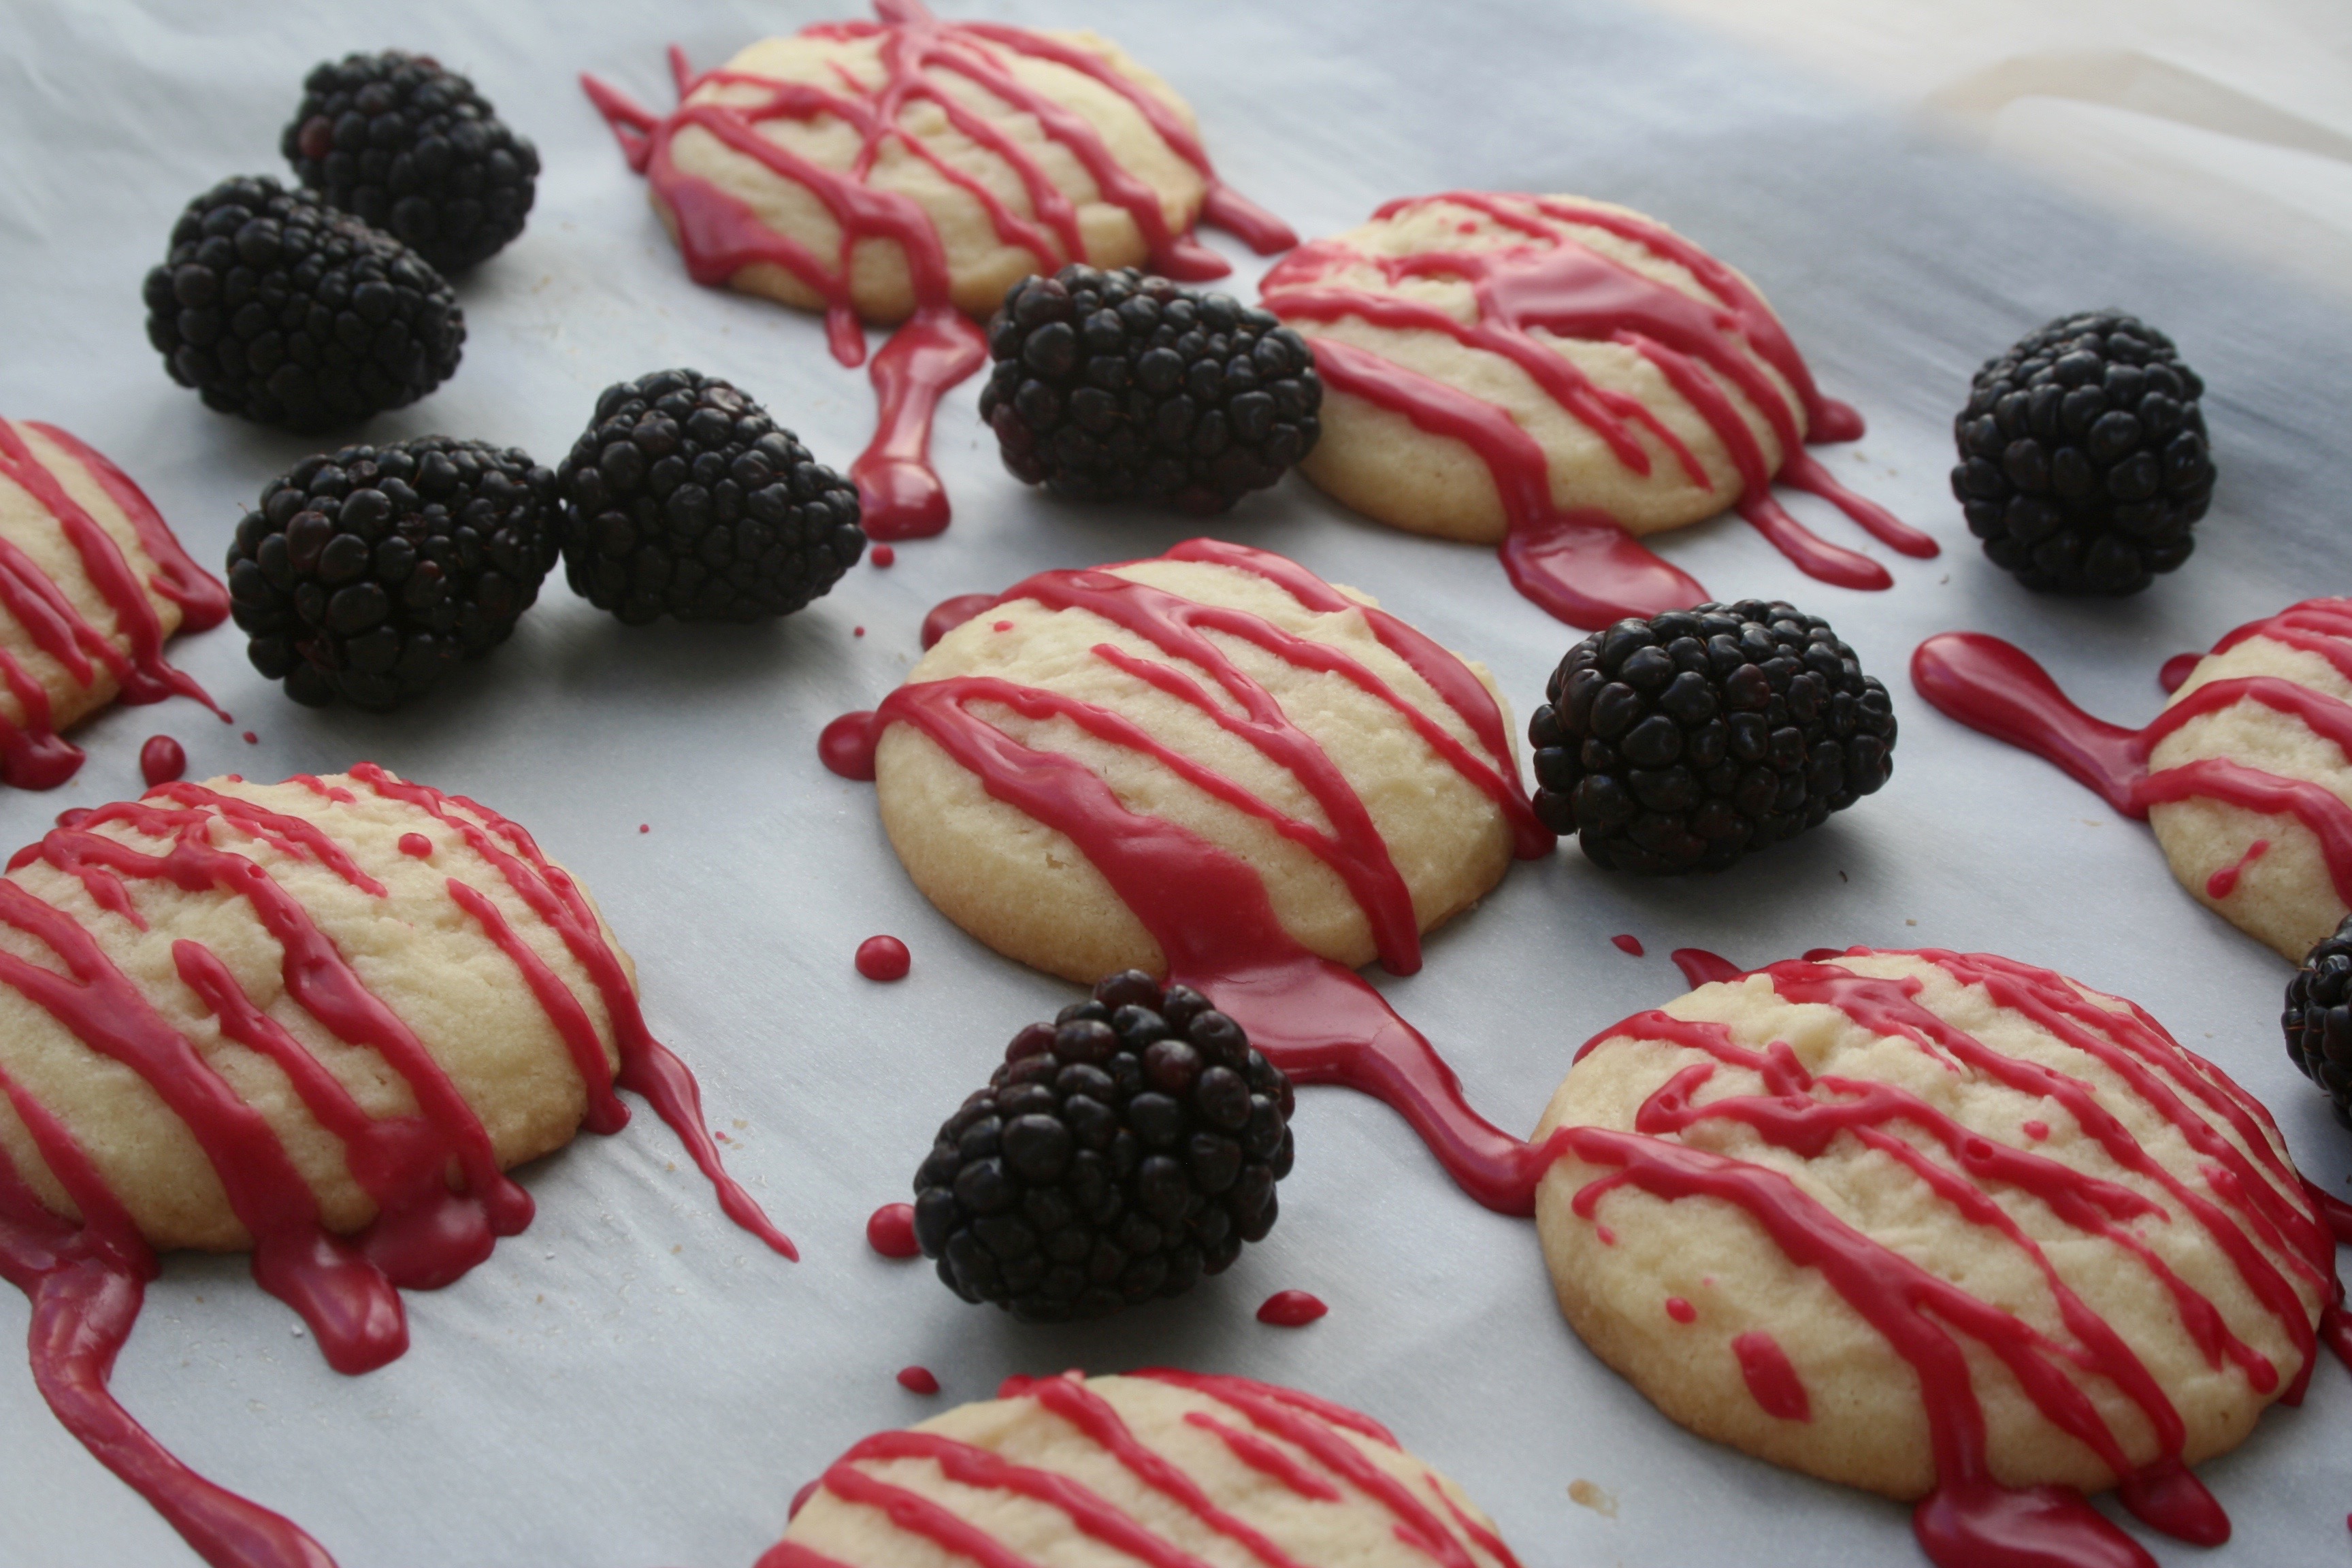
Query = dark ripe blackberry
x=402 y=144
x=1682 y=742
x=1121 y=1152
x=2083 y=455
x=685 y=499
x=292 y=314
x=1113 y=386
x=369 y=574
x=2319 y=1018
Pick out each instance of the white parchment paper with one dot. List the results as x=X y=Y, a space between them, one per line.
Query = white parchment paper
x=634 y=1382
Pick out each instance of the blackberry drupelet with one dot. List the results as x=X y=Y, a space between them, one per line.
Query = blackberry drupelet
x=685 y=499
x=1112 y=385
x=291 y=314
x=369 y=574
x=2083 y=455
x=1682 y=742
x=402 y=144
x=2319 y=1018
x=1119 y=1153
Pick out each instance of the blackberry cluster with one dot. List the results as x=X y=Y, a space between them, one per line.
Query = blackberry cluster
x=291 y=314
x=2319 y=1018
x=1121 y=1152
x=370 y=574
x=684 y=499
x=2083 y=455
x=1112 y=385
x=412 y=149
x=1682 y=742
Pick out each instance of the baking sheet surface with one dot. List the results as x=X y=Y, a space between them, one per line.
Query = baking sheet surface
x=634 y=1382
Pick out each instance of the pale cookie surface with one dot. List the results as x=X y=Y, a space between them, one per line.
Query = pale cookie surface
x=1830 y=1213
x=301 y=960
x=1205 y=693
x=1154 y=1467
x=89 y=586
x=1641 y=378
x=1007 y=152
x=2254 y=745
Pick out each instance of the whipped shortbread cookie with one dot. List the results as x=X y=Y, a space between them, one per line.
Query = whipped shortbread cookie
x=1931 y=1223
x=1157 y=1467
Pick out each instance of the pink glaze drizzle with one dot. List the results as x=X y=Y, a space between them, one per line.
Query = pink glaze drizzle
x=1701 y=967
x=718 y=234
x=883 y=958
x=949 y=614
x=1208 y=908
x=1291 y=1309
x=2225 y=882
x=86 y=1280
x=32 y=755
x=1771 y=1380
x=1580 y=563
x=890 y=1231
x=2255 y=1202
x=162 y=759
x=1995 y=686
x=2174 y=673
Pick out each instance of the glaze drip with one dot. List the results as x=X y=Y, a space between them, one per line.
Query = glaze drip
x=32 y=755
x=1580 y=564
x=1996 y=688
x=440 y=1197
x=720 y=235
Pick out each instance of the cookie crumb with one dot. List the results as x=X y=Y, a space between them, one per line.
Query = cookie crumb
x=1584 y=1494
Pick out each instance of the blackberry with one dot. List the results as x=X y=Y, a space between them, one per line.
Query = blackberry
x=2083 y=455
x=685 y=499
x=1111 y=385
x=370 y=573
x=399 y=142
x=1121 y=1152
x=2319 y=1018
x=291 y=314
x=1682 y=742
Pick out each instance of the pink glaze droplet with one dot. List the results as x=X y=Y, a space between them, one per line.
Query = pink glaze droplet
x=890 y=1231
x=1680 y=1311
x=883 y=958
x=1770 y=1378
x=1608 y=1237
x=846 y=746
x=857 y=631
x=415 y=845
x=2038 y=1130
x=162 y=759
x=1700 y=967
x=918 y=1380
x=883 y=555
x=2225 y=882
x=1000 y=625
x=1625 y=941
x=949 y=614
x=251 y=739
x=645 y=827
x=2176 y=670
x=1290 y=1309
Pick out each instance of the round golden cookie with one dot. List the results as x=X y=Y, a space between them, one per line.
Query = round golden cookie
x=1424 y=276
x=1026 y=889
x=1827 y=1211
x=39 y=543
x=1154 y=1466
x=2279 y=728
x=157 y=905
x=932 y=116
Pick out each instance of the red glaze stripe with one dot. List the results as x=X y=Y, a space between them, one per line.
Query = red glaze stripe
x=1266 y=1458
x=1546 y=280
